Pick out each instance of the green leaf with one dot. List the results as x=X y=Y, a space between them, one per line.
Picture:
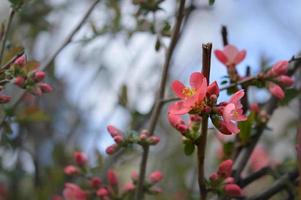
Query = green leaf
x=228 y=148
x=246 y=128
x=158 y=44
x=211 y=2
x=188 y=148
x=123 y=96
x=290 y=94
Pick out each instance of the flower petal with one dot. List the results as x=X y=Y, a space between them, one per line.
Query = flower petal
x=240 y=57
x=178 y=88
x=196 y=80
x=221 y=56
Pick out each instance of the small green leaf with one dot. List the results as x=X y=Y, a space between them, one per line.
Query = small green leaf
x=228 y=148
x=188 y=148
x=211 y=2
x=246 y=128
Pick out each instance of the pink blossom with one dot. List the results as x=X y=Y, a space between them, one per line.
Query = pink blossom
x=112 y=149
x=213 y=89
x=129 y=187
x=191 y=98
x=214 y=177
x=45 y=87
x=225 y=168
x=71 y=170
x=80 y=158
x=285 y=80
x=114 y=131
x=4 y=99
x=19 y=81
x=230 y=56
x=232 y=190
x=276 y=90
x=279 y=68
x=102 y=192
x=74 y=192
x=21 y=60
x=155 y=177
x=39 y=76
x=95 y=182
x=112 y=177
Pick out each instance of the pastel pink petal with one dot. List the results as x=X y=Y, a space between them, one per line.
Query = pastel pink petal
x=196 y=79
x=178 y=88
x=237 y=96
x=221 y=56
x=178 y=108
x=241 y=117
x=276 y=91
x=213 y=89
x=280 y=67
x=232 y=127
x=201 y=92
x=231 y=52
x=286 y=80
x=228 y=112
x=240 y=57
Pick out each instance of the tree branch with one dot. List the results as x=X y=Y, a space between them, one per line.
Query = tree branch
x=5 y=37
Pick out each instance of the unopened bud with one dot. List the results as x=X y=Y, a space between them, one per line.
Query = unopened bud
x=112 y=149
x=153 y=140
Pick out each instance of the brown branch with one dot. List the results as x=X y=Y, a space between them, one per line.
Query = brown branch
x=5 y=37
x=207 y=48
x=139 y=194
x=224 y=33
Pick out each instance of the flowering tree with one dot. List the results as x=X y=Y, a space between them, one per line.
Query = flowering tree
x=197 y=111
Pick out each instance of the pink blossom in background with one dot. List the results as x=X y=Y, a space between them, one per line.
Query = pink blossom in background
x=230 y=56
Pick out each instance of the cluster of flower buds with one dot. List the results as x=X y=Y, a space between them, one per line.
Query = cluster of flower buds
x=277 y=79
x=27 y=76
x=260 y=115
x=122 y=140
x=222 y=180
x=93 y=187
x=200 y=100
x=80 y=160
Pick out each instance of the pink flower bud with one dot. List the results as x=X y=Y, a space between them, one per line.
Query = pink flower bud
x=276 y=91
x=21 y=60
x=225 y=168
x=153 y=140
x=155 y=177
x=70 y=170
x=213 y=89
x=45 y=88
x=214 y=177
x=72 y=191
x=95 y=182
x=134 y=176
x=280 y=68
x=112 y=177
x=113 y=131
x=38 y=76
x=80 y=158
x=285 y=80
x=5 y=99
x=182 y=128
x=19 y=81
x=229 y=180
x=128 y=187
x=102 y=192
x=112 y=149
x=233 y=190
x=254 y=107
x=118 y=139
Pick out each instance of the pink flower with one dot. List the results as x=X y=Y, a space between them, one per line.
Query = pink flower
x=191 y=98
x=213 y=89
x=80 y=158
x=102 y=192
x=5 y=99
x=279 y=68
x=230 y=56
x=225 y=169
x=38 y=76
x=214 y=177
x=276 y=90
x=112 y=177
x=112 y=149
x=114 y=131
x=21 y=60
x=73 y=192
x=153 y=140
x=232 y=190
x=259 y=159
x=95 y=182
x=19 y=81
x=155 y=177
x=233 y=112
x=71 y=170
x=45 y=88
x=177 y=122
x=285 y=80
x=129 y=187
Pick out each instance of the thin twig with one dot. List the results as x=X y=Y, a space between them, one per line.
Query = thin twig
x=225 y=35
x=5 y=37
x=158 y=104
x=207 y=48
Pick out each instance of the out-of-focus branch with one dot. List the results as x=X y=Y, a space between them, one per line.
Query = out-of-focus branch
x=158 y=104
x=224 y=33
x=5 y=37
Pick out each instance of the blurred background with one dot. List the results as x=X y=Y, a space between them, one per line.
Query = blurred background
x=109 y=73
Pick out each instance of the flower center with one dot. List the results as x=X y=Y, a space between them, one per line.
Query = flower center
x=188 y=92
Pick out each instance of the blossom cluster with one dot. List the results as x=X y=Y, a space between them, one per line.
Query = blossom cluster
x=123 y=140
x=89 y=186
x=222 y=182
